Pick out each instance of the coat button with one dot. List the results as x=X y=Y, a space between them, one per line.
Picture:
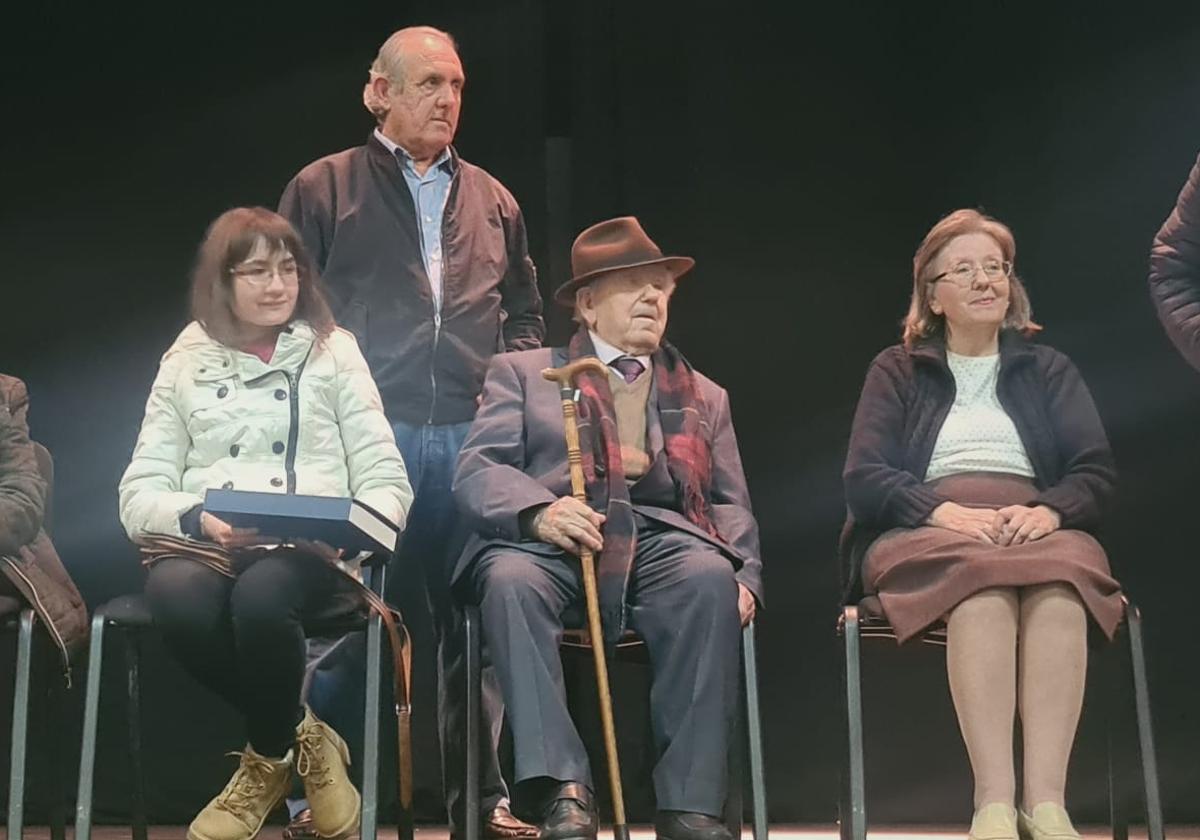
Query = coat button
x=276 y=482
x=225 y=363
x=228 y=485
x=277 y=447
x=234 y=450
x=203 y=370
x=280 y=394
x=221 y=392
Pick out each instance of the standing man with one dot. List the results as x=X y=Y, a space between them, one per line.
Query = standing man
x=668 y=513
x=1175 y=271
x=426 y=262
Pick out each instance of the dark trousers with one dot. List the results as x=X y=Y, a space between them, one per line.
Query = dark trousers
x=682 y=603
x=243 y=638
x=433 y=537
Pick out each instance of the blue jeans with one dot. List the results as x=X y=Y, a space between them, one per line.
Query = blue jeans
x=433 y=539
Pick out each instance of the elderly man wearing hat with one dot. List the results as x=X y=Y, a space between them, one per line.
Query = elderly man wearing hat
x=668 y=516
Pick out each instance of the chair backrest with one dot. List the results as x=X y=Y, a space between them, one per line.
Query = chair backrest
x=45 y=462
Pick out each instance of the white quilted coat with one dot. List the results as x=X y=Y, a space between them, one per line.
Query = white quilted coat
x=310 y=421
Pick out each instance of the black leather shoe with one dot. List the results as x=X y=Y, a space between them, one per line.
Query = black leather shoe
x=682 y=825
x=500 y=824
x=569 y=814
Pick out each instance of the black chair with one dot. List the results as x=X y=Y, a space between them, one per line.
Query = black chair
x=15 y=615
x=864 y=620
x=631 y=648
x=130 y=615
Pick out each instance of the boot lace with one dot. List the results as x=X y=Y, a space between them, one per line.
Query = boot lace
x=247 y=784
x=311 y=764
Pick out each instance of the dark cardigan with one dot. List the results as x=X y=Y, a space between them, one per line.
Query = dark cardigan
x=904 y=402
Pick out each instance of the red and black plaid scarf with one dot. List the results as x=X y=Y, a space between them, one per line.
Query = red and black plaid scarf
x=689 y=461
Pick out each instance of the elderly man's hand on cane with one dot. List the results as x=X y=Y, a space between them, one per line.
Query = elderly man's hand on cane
x=747 y=604
x=569 y=524
x=572 y=526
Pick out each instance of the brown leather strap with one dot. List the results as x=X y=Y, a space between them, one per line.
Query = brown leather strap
x=398 y=641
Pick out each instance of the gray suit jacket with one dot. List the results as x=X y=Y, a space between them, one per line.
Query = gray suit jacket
x=515 y=457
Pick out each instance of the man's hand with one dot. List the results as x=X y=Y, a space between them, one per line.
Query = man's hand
x=569 y=524
x=747 y=606
x=1017 y=524
x=226 y=536
x=977 y=523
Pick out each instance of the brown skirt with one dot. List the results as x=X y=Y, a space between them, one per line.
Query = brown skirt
x=922 y=573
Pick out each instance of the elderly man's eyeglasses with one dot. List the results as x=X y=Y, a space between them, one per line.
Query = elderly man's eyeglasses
x=259 y=274
x=964 y=273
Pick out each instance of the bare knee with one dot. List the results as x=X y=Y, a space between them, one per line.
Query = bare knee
x=998 y=603
x=1056 y=592
x=1053 y=602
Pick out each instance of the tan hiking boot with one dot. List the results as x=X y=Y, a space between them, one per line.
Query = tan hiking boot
x=321 y=760
x=238 y=812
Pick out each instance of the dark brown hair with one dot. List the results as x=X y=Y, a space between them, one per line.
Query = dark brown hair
x=229 y=240
x=921 y=321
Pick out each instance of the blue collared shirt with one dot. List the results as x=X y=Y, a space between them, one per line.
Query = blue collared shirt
x=429 y=192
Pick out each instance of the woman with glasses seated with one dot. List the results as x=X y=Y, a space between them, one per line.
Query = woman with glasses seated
x=260 y=392
x=977 y=469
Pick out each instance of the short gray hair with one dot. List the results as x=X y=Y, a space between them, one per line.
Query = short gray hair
x=389 y=64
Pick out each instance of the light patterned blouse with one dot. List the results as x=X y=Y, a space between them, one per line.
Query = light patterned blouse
x=978 y=435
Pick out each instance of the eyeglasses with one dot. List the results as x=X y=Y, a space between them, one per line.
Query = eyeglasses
x=964 y=273
x=259 y=274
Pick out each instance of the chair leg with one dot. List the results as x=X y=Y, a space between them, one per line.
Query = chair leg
x=370 y=773
x=91 y=715
x=1114 y=702
x=736 y=759
x=1141 y=699
x=133 y=709
x=853 y=814
x=474 y=688
x=20 y=726
x=754 y=735
x=54 y=732
x=1118 y=815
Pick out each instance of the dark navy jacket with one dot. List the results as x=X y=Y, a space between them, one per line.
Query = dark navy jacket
x=357 y=217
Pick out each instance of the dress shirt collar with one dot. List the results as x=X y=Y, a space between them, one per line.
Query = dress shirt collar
x=607 y=353
x=444 y=160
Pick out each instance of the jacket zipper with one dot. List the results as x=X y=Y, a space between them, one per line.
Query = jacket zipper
x=45 y=614
x=438 y=301
x=289 y=460
x=437 y=333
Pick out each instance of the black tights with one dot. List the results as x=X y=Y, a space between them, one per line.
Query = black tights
x=243 y=637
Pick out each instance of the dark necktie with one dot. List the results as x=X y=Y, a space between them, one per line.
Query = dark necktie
x=629 y=368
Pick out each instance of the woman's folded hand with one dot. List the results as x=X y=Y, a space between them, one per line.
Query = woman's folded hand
x=1018 y=524
x=978 y=523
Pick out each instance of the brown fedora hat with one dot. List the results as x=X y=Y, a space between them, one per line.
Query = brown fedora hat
x=610 y=246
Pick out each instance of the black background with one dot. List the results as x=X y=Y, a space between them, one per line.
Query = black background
x=798 y=156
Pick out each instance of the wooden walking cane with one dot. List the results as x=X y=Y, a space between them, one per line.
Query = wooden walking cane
x=565 y=377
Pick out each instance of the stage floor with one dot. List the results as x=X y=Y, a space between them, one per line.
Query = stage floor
x=778 y=832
